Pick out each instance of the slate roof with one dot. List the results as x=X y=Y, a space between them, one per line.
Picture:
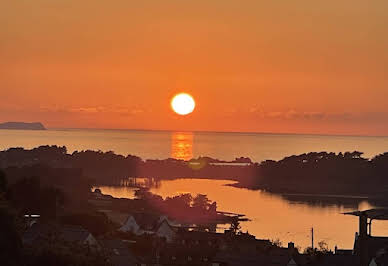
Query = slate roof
x=119 y=253
x=374 y=214
x=146 y=221
x=238 y=259
x=382 y=260
x=42 y=232
x=375 y=245
x=337 y=260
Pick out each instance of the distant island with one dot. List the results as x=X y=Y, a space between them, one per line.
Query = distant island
x=22 y=126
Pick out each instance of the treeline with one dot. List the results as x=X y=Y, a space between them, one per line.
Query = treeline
x=108 y=168
x=315 y=172
x=184 y=208
x=322 y=172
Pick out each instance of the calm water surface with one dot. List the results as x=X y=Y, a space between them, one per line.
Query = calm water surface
x=272 y=217
x=184 y=145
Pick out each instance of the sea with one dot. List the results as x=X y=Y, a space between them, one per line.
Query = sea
x=271 y=216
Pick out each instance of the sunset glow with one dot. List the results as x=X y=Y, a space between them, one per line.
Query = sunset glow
x=256 y=67
x=194 y=132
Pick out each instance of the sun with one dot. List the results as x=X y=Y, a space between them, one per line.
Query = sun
x=183 y=104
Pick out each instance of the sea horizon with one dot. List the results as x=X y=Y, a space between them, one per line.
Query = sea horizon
x=222 y=132
x=164 y=144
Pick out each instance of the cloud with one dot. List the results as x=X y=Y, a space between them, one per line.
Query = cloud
x=334 y=117
x=90 y=110
x=288 y=115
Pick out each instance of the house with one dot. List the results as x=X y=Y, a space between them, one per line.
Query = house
x=379 y=261
x=199 y=238
x=336 y=260
x=366 y=246
x=338 y=251
x=139 y=224
x=165 y=230
x=224 y=241
x=237 y=259
x=118 y=252
x=39 y=233
x=268 y=255
x=77 y=234
x=132 y=226
x=165 y=217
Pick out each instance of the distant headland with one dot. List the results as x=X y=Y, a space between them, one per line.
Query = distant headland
x=22 y=126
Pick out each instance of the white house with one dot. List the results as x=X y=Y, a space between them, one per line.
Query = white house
x=90 y=240
x=131 y=225
x=165 y=218
x=165 y=230
x=161 y=226
x=292 y=263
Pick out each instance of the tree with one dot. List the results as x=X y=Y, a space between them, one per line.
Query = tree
x=3 y=185
x=201 y=202
x=10 y=242
x=235 y=226
x=97 y=223
x=60 y=253
x=3 y=182
x=276 y=242
x=321 y=250
x=181 y=202
x=29 y=197
x=323 y=247
x=213 y=207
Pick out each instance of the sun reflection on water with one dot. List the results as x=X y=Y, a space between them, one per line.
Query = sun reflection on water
x=182 y=145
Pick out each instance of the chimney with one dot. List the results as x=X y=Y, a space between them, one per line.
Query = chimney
x=291 y=248
x=363 y=237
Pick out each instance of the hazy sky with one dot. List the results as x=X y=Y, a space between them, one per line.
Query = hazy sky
x=267 y=66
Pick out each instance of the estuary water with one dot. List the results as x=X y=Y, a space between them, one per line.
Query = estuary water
x=274 y=216
x=283 y=217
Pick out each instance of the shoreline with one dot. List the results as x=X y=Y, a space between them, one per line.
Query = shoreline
x=308 y=195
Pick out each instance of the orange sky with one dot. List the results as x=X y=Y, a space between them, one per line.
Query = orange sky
x=267 y=66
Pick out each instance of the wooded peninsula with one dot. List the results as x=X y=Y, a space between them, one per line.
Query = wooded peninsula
x=346 y=173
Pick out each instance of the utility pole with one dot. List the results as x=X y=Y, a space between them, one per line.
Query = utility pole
x=312 y=238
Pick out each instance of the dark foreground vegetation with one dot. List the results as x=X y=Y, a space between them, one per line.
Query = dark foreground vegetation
x=29 y=196
x=313 y=173
x=69 y=234
x=78 y=227
x=322 y=173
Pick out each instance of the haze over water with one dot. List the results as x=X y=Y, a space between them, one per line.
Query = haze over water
x=184 y=145
x=273 y=216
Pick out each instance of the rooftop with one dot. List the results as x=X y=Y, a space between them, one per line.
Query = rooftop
x=374 y=214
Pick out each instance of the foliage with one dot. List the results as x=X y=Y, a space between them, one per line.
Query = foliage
x=144 y=245
x=3 y=182
x=63 y=254
x=201 y=202
x=321 y=172
x=96 y=223
x=276 y=242
x=235 y=226
x=321 y=250
x=30 y=197
x=181 y=201
x=10 y=242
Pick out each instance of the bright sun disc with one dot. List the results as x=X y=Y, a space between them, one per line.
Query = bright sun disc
x=183 y=104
